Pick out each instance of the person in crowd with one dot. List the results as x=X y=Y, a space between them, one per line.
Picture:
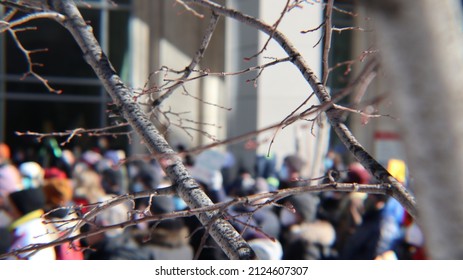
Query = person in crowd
x=88 y=188
x=331 y=201
x=28 y=226
x=113 y=244
x=167 y=239
x=10 y=181
x=362 y=244
x=266 y=168
x=351 y=205
x=10 y=177
x=67 y=162
x=210 y=180
x=258 y=223
x=241 y=184
x=227 y=169
x=143 y=177
x=305 y=234
x=89 y=159
x=60 y=212
x=32 y=174
x=307 y=237
x=333 y=162
x=373 y=227
x=114 y=174
x=291 y=170
x=412 y=246
x=393 y=228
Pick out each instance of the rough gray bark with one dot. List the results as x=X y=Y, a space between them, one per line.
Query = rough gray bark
x=421 y=48
x=222 y=231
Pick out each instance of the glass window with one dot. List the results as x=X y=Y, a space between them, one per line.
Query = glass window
x=118 y=40
x=26 y=102
x=341 y=51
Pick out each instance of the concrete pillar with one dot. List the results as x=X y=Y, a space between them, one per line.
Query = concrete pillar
x=281 y=89
x=241 y=42
x=141 y=44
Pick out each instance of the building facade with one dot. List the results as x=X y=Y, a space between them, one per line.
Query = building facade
x=143 y=38
x=25 y=102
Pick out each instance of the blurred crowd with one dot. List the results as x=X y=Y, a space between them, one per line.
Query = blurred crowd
x=42 y=200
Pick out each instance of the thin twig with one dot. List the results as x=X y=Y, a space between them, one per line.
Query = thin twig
x=274 y=26
x=327 y=40
x=77 y=132
x=13 y=29
x=351 y=28
x=189 y=9
x=195 y=61
x=398 y=191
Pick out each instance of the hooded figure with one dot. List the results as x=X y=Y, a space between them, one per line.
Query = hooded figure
x=169 y=239
x=309 y=237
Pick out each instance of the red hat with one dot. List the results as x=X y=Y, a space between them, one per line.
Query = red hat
x=54 y=172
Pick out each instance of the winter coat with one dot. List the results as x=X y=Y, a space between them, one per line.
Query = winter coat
x=30 y=229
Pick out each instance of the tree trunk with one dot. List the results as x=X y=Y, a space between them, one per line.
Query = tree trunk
x=421 y=48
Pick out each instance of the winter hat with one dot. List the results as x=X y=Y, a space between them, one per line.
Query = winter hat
x=268 y=222
x=115 y=156
x=10 y=180
x=305 y=205
x=266 y=249
x=91 y=158
x=54 y=172
x=295 y=163
x=28 y=200
x=57 y=191
x=32 y=174
x=358 y=174
x=112 y=181
x=162 y=205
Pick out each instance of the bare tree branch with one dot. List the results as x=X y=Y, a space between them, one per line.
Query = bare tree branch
x=397 y=190
x=222 y=231
x=327 y=41
x=274 y=26
x=77 y=132
x=258 y=201
x=13 y=27
x=196 y=59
